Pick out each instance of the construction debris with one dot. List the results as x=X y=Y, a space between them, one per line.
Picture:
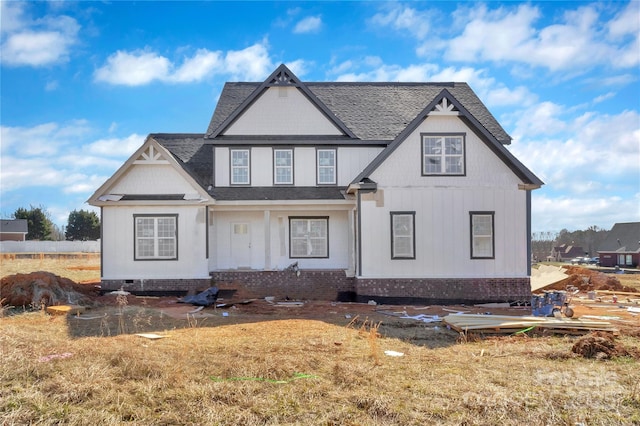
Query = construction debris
x=601 y=346
x=65 y=310
x=512 y=324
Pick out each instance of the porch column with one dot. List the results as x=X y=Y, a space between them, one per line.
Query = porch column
x=267 y=240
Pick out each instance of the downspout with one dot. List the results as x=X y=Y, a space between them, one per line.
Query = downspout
x=206 y=231
x=528 y=197
x=358 y=234
x=101 y=243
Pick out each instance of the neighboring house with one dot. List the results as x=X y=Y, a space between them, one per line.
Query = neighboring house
x=347 y=191
x=565 y=252
x=622 y=246
x=13 y=229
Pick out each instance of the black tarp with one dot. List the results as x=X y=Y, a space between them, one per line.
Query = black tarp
x=206 y=298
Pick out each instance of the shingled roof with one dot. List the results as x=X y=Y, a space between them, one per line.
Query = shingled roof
x=372 y=111
x=623 y=238
x=191 y=152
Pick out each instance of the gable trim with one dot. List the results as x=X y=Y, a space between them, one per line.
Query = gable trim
x=100 y=197
x=281 y=77
x=516 y=166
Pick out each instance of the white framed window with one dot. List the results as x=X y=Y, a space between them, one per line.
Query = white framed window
x=326 y=162
x=482 y=235
x=308 y=237
x=443 y=154
x=283 y=166
x=240 y=166
x=156 y=237
x=403 y=235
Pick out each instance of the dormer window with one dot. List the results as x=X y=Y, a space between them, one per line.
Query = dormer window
x=443 y=154
x=240 y=174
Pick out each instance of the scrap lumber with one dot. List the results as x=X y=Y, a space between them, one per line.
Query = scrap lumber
x=512 y=324
x=618 y=293
x=65 y=310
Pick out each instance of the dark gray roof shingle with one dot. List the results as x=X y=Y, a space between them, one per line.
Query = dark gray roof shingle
x=623 y=237
x=373 y=111
x=192 y=153
x=14 y=225
x=278 y=193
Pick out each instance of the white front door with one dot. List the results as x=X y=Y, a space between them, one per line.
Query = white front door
x=241 y=245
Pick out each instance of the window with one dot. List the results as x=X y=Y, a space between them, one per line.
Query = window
x=482 y=237
x=326 y=160
x=308 y=237
x=240 y=167
x=156 y=237
x=403 y=235
x=283 y=166
x=443 y=155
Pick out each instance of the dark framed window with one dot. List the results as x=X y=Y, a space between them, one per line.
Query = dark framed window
x=240 y=166
x=443 y=154
x=308 y=237
x=155 y=237
x=326 y=161
x=283 y=166
x=403 y=235
x=482 y=235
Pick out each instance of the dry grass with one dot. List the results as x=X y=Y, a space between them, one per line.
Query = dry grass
x=630 y=280
x=302 y=372
x=298 y=372
x=83 y=267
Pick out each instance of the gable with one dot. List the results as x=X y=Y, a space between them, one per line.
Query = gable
x=282 y=111
x=150 y=174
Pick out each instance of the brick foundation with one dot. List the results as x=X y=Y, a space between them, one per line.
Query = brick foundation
x=304 y=285
x=335 y=285
x=175 y=286
x=444 y=290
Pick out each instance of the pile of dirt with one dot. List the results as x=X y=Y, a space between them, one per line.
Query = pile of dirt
x=601 y=345
x=585 y=279
x=38 y=288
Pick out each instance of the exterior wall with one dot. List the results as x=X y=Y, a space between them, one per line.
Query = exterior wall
x=12 y=236
x=444 y=290
x=351 y=161
x=161 y=286
x=442 y=205
x=610 y=259
x=282 y=111
x=118 y=245
x=152 y=179
x=307 y=285
x=269 y=238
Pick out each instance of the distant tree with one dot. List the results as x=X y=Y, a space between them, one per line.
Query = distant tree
x=38 y=222
x=83 y=225
x=57 y=233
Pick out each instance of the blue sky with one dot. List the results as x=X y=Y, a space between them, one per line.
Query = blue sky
x=83 y=83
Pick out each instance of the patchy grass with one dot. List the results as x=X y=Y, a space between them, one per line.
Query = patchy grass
x=302 y=372
x=630 y=280
x=82 y=267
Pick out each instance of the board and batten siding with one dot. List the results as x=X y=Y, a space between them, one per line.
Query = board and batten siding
x=351 y=161
x=442 y=205
x=152 y=179
x=269 y=238
x=282 y=111
x=118 y=242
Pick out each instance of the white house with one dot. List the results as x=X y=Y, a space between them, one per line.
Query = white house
x=348 y=191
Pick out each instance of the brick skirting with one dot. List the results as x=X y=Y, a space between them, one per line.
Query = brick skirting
x=172 y=286
x=336 y=285
x=444 y=290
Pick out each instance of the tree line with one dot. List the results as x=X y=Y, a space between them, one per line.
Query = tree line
x=82 y=225
x=590 y=239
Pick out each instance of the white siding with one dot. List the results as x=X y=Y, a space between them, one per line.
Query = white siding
x=351 y=161
x=270 y=242
x=152 y=179
x=282 y=111
x=442 y=205
x=118 y=245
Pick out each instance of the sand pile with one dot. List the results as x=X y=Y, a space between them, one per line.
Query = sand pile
x=38 y=288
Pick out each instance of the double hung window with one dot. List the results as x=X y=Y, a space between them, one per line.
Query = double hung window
x=309 y=237
x=403 y=235
x=283 y=166
x=326 y=163
x=156 y=237
x=482 y=235
x=240 y=167
x=443 y=155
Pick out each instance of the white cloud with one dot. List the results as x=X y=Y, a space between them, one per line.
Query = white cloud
x=133 y=69
x=404 y=19
x=35 y=43
x=42 y=139
x=310 y=24
x=140 y=67
x=116 y=147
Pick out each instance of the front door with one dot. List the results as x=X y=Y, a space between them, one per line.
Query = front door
x=241 y=245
